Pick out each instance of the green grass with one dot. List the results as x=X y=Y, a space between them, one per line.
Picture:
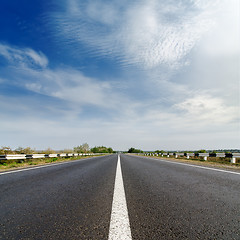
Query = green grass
x=13 y=164
x=32 y=163
x=49 y=160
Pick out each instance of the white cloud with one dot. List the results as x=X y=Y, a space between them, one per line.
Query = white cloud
x=148 y=131
x=153 y=38
x=145 y=33
x=157 y=36
x=38 y=58
x=209 y=109
x=224 y=37
x=24 y=57
x=66 y=84
x=102 y=12
x=73 y=87
x=35 y=87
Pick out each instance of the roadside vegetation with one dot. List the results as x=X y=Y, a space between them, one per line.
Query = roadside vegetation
x=212 y=158
x=27 y=150
x=220 y=160
x=101 y=149
x=182 y=156
x=134 y=150
x=10 y=164
x=84 y=149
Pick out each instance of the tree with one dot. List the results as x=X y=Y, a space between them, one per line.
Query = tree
x=84 y=148
x=49 y=151
x=21 y=150
x=94 y=150
x=5 y=150
x=110 y=150
x=134 y=150
x=101 y=149
x=158 y=151
x=131 y=150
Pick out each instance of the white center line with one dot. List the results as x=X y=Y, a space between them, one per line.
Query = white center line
x=119 y=224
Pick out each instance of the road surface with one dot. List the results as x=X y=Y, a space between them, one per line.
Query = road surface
x=163 y=200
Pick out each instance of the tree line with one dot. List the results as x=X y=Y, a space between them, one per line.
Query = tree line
x=83 y=148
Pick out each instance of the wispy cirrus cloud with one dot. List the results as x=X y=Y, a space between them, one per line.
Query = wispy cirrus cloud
x=28 y=69
x=23 y=56
x=146 y=33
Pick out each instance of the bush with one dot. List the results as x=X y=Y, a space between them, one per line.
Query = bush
x=101 y=149
x=134 y=150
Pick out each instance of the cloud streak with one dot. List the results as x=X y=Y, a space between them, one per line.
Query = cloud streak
x=27 y=69
x=25 y=57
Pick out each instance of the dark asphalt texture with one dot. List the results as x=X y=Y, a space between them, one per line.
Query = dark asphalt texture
x=69 y=201
x=165 y=201
x=171 y=201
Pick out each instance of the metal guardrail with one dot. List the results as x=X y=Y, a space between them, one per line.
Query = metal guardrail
x=43 y=155
x=233 y=156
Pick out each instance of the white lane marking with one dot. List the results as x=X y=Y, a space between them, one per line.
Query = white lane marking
x=43 y=166
x=119 y=224
x=196 y=166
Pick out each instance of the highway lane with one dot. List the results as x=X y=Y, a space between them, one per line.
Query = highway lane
x=164 y=201
x=68 y=201
x=172 y=201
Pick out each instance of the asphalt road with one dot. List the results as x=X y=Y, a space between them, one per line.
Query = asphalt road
x=173 y=201
x=164 y=201
x=68 y=201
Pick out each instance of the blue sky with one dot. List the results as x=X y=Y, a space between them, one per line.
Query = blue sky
x=149 y=74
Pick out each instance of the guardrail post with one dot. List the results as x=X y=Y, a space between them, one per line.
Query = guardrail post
x=233 y=160
x=205 y=158
x=176 y=156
